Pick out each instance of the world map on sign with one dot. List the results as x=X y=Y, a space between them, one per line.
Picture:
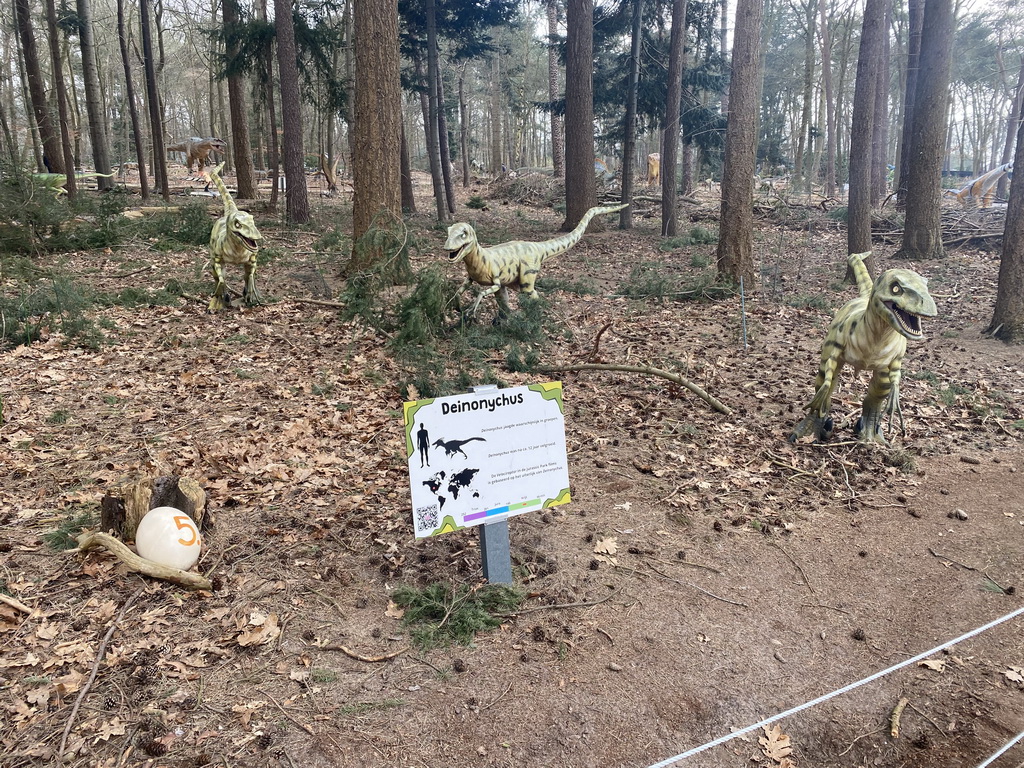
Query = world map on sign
x=444 y=486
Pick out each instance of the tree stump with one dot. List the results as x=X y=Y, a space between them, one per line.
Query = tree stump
x=124 y=508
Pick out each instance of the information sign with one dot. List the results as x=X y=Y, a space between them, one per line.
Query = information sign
x=485 y=456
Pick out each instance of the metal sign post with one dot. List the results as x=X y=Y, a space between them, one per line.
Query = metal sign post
x=495 y=547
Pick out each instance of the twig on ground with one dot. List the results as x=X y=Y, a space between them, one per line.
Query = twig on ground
x=320 y=302
x=694 y=586
x=675 y=378
x=588 y=604
x=502 y=696
x=15 y=603
x=862 y=736
x=100 y=653
x=822 y=605
x=795 y=564
x=593 y=357
x=894 y=718
x=933 y=723
x=951 y=560
x=307 y=728
x=360 y=657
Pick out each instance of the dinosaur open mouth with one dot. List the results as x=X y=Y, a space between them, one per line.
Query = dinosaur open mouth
x=907 y=323
x=249 y=243
x=457 y=254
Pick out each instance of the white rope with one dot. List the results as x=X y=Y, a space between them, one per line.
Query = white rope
x=833 y=694
x=1005 y=747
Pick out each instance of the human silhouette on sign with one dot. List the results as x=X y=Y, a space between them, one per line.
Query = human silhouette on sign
x=423 y=443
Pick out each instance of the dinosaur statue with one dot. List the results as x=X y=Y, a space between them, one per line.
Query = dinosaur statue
x=197 y=150
x=515 y=263
x=55 y=182
x=233 y=240
x=870 y=332
x=981 y=192
x=451 y=447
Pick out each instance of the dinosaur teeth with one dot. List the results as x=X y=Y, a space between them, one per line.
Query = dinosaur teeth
x=909 y=323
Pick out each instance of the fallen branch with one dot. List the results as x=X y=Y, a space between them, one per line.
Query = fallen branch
x=320 y=302
x=588 y=604
x=360 y=657
x=100 y=653
x=15 y=603
x=894 y=718
x=139 y=564
x=673 y=377
x=681 y=583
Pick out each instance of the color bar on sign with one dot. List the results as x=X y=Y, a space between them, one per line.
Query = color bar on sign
x=501 y=510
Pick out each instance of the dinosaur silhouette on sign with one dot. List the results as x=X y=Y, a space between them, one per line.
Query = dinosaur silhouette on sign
x=451 y=447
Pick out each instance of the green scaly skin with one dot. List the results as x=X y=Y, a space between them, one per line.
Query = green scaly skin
x=870 y=332
x=56 y=182
x=515 y=263
x=233 y=240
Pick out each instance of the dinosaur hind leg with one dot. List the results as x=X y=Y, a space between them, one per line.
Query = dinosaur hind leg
x=250 y=295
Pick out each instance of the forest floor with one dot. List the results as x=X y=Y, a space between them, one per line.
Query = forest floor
x=706 y=575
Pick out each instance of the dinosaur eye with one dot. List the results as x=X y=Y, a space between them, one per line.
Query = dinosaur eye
x=897 y=289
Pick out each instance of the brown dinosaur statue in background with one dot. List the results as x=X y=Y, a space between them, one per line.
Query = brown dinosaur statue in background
x=198 y=149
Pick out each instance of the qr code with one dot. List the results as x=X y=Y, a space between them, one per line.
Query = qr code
x=426 y=517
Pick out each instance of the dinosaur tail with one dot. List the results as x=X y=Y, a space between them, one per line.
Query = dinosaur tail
x=229 y=203
x=860 y=272
x=562 y=244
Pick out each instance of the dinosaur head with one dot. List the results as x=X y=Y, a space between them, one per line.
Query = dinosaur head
x=217 y=145
x=902 y=297
x=461 y=238
x=242 y=226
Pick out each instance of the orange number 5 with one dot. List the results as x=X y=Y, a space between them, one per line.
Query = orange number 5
x=185 y=524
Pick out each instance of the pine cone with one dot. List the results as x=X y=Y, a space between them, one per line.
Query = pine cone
x=154 y=748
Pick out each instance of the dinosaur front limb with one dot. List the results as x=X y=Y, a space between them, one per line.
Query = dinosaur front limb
x=481 y=295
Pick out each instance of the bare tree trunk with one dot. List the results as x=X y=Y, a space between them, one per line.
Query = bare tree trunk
x=133 y=110
x=463 y=126
x=153 y=103
x=810 y=14
x=408 y=198
x=1008 y=318
x=1013 y=122
x=296 y=197
x=830 y=103
x=245 y=178
x=879 y=163
x=93 y=102
x=736 y=232
x=62 y=106
x=53 y=156
x=580 y=187
x=557 y=138
x=496 y=115
x=922 y=233
x=858 y=220
x=444 y=150
x=915 y=23
x=629 y=127
x=274 y=148
x=432 y=119
x=377 y=126
x=670 y=124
